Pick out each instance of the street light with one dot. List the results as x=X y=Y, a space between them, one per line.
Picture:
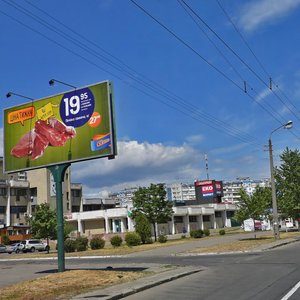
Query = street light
x=9 y=94
x=287 y=125
x=52 y=82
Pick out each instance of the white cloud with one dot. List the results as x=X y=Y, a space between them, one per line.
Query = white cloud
x=259 y=12
x=138 y=164
x=195 y=139
x=263 y=94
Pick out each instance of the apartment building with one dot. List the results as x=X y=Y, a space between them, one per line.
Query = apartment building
x=21 y=192
x=182 y=191
x=231 y=189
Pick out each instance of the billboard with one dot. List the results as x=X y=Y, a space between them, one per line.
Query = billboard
x=208 y=191
x=73 y=126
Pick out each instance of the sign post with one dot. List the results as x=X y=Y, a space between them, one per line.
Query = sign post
x=53 y=132
x=58 y=173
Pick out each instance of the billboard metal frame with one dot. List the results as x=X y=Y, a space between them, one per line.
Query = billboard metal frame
x=30 y=112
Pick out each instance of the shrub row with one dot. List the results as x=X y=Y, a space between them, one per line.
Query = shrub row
x=131 y=239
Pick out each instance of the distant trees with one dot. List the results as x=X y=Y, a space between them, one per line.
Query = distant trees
x=152 y=203
x=287 y=178
x=254 y=206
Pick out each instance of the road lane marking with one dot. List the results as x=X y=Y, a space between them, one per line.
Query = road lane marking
x=291 y=292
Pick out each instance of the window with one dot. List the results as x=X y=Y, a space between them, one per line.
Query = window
x=2 y=209
x=33 y=192
x=3 y=191
x=218 y=214
x=75 y=193
x=192 y=219
x=178 y=219
x=18 y=192
x=18 y=209
x=206 y=218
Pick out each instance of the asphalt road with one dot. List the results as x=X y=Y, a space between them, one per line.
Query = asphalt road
x=263 y=275
x=269 y=275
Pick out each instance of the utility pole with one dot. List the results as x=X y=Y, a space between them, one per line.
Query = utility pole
x=274 y=200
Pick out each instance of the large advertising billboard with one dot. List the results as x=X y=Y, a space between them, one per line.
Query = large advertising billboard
x=208 y=191
x=72 y=126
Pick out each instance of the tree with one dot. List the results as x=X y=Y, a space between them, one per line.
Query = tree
x=152 y=203
x=287 y=178
x=254 y=206
x=43 y=223
x=143 y=227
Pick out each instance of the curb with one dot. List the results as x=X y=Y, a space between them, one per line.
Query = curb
x=127 y=289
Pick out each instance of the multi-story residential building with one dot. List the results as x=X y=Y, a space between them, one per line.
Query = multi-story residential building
x=76 y=199
x=231 y=189
x=14 y=198
x=182 y=191
x=43 y=190
x=21 y=192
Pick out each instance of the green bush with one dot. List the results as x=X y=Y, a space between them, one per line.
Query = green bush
x=97 y=243
x=183 y=236
x=162 y=238
x=116 y=241
x=196 y=234
x=132 y=239
x=221 y=232
x=81 y=243
x=206 y=232
x=143 y=227
x=5 y=239
x=70 y=245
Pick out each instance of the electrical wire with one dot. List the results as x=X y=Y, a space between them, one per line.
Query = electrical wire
x=237 y=56
x=252 y=52
x=205 y=60
x=274 y=112
x=232 y=132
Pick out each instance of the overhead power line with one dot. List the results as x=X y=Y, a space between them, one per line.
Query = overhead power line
x=246 y=84
x=237 y=56
x=205 y=60
x=192 y=110
x=254 y=55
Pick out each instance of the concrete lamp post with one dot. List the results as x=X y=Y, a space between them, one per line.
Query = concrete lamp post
x=288 y=125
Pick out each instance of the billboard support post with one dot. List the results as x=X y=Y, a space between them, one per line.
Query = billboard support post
x=58 y=173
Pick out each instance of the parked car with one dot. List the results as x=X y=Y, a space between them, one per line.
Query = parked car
x=2 y=248
x=33 y=245
x=16 y=247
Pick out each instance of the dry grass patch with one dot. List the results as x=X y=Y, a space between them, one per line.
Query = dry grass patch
x=244 y=244
x=67 y=284
x=241 y=245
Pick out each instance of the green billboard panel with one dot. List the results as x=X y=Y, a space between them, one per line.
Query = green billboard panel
x=73 y=126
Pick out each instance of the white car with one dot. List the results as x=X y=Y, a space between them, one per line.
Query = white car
x=34 y=245
x=16 y=247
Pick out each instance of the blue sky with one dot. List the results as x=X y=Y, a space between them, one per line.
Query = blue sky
x=179 y=75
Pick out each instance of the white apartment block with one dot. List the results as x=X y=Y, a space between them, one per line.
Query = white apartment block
x=182 y=191
x=231 y=189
